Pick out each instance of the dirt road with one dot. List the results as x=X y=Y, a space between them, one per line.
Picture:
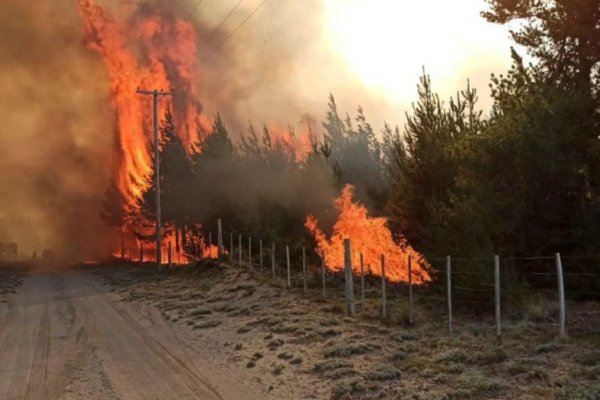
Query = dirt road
x=64 y=336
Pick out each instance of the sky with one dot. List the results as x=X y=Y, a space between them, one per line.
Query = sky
x=365 y=52
x=386 y=43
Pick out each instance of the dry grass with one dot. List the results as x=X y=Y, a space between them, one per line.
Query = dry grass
x=310 y=344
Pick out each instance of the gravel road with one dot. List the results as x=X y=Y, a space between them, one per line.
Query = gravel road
x=64 y=336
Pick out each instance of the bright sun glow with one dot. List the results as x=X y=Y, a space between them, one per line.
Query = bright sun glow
x=385 y=43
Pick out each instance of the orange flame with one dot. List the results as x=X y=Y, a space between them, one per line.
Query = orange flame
x=134 y=249
x=163 y=58
x=369 y=236
x=295 y=148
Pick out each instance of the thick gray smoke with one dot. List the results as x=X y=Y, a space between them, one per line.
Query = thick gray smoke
x=56 y=132
x=57 y=139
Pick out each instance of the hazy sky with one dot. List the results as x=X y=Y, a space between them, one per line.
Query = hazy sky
x=367 y=52
x=385 y=43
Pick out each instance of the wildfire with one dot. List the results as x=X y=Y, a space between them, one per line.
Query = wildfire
x=151 y=52
x=295 y=148
x=164 y=57
x=181 y=251
x=369 y=236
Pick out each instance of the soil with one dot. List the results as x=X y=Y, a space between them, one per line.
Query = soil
x=216 y=331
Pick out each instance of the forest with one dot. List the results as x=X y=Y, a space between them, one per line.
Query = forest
x=519 y=180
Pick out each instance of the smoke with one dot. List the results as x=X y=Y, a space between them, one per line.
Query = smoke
x=56 y=143
x=59 y=145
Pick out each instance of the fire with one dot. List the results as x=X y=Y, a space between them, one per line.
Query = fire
x=153 y=52
x=164 y=58
x=183 y=250
x=369 y=236
x=295 y=148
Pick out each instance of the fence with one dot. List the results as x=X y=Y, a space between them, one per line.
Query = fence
x=477 y=282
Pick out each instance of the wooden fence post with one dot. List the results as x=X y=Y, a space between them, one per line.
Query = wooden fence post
x=273 y=259
x=323 y=272
x=240 y=249
x=231 y=248
x=348 y=274
x=250 y=252
x=304 y=267
x=209 y=244
x=561 y=294
x=141 y=252
x=362 y=283
x=170 y=255
x=383 y=295
x=260 y=251
x=410 y=292
x=287 y=257
x=497 y=293
x=449 y=290
x=219 y=239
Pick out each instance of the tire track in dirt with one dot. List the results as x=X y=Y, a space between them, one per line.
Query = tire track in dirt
x=166 y=374
x=66 y=337
x=37 y=372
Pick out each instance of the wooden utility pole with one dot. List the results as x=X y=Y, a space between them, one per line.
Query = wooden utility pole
x=155 y=94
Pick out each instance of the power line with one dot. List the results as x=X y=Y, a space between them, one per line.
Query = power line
x=234 y=31
x=193 y=10
x=210 y=35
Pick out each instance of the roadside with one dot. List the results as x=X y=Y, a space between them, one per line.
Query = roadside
x=63 y=336
x=295 y=346
x=11 y=277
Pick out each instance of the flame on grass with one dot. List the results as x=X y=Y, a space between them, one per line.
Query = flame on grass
x=369 y=236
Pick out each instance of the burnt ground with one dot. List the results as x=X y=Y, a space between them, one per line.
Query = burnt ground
x=287 y=344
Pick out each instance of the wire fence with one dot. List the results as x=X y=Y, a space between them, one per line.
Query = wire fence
x=492 y=287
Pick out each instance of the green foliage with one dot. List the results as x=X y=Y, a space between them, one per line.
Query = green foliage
x=563 y=36
x=355 y=154
x=521 y=181
x=175 y=179
x=425 y=169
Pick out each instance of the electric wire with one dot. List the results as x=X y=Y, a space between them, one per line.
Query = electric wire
x=211 y=34
x=193 y=10
x=217 y=47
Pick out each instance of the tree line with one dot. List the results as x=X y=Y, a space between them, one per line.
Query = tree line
x=521 y=180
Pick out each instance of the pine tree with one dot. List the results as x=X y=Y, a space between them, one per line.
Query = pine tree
x=563 y=35
x=175 y=180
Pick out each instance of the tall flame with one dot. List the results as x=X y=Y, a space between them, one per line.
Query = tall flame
x=164 y=58
x=295 y=147
x=369 y=236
